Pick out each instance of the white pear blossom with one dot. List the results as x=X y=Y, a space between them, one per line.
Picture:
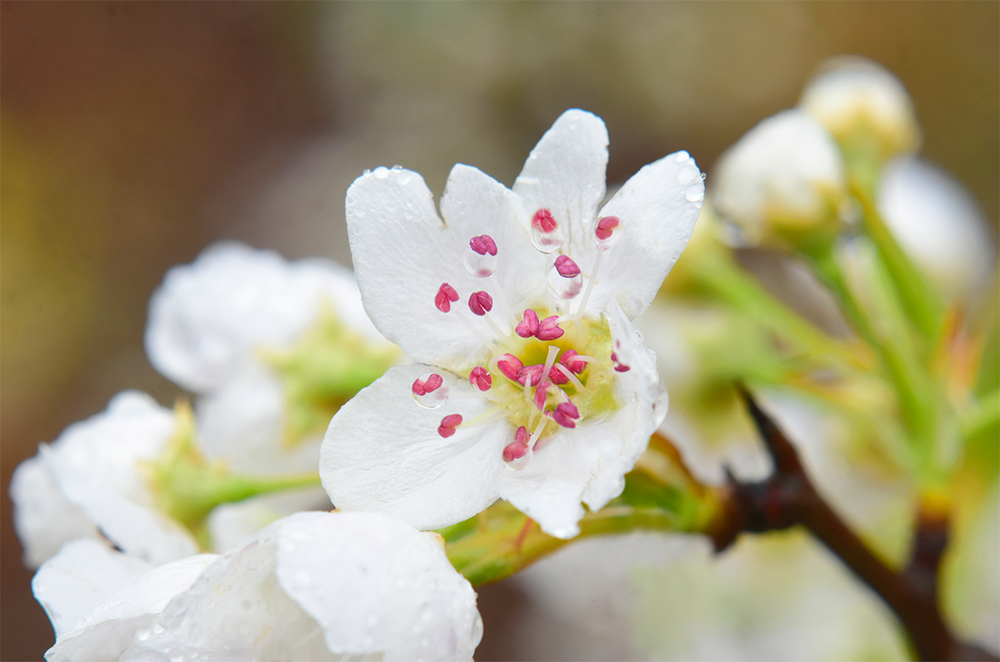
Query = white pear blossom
x=939 y=224
x=211 y=326
x=861 y=103
x=532 y=384
x=313 y=586
x=785 y=174
x=90 y=480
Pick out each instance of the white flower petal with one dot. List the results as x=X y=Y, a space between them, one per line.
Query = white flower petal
x=589 y=462
x=475 y=204
x=43 y=517
x=382 y=452
x=566 y=174
x=131 y=612
x=243 y=423
x=82 y=576
x=96 y=464
x=231 y=523
x=402 y=254
x=658 y=208
x=314 y=583
x=387 y=587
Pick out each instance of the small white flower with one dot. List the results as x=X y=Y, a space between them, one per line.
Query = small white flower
x=862 y=104
x=785 y=175
x=214 y=325
x=518 y=305
x=938 y=223
x=89 y=479
x=208 y=318
x=316 y=586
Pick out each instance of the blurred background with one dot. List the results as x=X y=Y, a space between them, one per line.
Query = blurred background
x=134 y=134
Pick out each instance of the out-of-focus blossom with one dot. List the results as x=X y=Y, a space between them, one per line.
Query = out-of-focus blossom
x=939 y=225
x=784 y=178
x=274 y=347
x=317 y=586
x=864 y=106
x=492 y=412
x=90 y=479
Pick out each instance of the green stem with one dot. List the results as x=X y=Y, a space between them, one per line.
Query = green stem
x=720 y=275
x=919 y=300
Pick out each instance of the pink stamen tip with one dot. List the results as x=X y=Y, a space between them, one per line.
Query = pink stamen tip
x=448 y=425
x=541 y=394
x=566 y=267
x=528 y=326
x=530 y=375
x=445 y=295
x=544 y=221
x=516 y=450
x=565 y=414
x=606 y=226
x=522 y=434
x=433 y=383
x=483 y=244
x=548 y=329
x=480 y=303
x=567 y=360
x=619 y=367
x=480 y=378
x=510 y=366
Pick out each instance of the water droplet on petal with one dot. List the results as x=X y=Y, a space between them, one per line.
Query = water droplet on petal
x=694 y=193
x=562 y=287
x=433 y=399
x=480 y=266
x=158 y=629
x=546 y=242
x=682 y=156
x=142 y=634
x=381 y=172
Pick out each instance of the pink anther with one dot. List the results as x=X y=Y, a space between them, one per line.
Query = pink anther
x=541 y=395
x=522 y=434
x=544 y=221
x=517 y=449
x=528 y=326
x=619 y=367
x=530 y=375
x=606 y=226
x=510 y=366
x=448 y=425
x=480 y=378
x=566 y=267
x=548 y=329
x=445 y=295
x=432 y=383
x=566 y=414
x=557 y=377
x=575 y=365
x=483 y=244
x=480 y=303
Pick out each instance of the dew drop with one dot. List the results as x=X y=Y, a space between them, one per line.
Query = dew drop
x=480 y=266
x=350 y=199
x=381 y=172
x=564 y=288
x=142 y=634
x=177 y=658
x=694 y=193
x=546 y=242
x=435 y=398
x=367 y=171
x=682 y=156
x=157 y=629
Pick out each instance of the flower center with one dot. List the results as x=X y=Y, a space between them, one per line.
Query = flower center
x=547 y=371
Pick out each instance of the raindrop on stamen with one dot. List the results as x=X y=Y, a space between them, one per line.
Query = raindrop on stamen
x=481 y=258
x=564 y=287
x=546 y=235
x=429 y=391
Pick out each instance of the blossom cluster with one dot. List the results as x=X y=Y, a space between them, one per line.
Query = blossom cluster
x=201 y=532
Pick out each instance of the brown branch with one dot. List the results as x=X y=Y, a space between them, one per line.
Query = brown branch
x=788 y=498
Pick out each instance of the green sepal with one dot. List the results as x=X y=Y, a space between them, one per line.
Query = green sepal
x=327 y=366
